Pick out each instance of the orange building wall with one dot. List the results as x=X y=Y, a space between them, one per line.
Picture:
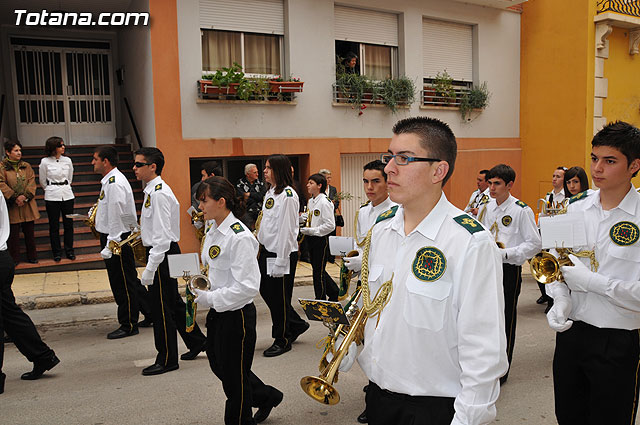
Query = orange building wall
x=556 y=89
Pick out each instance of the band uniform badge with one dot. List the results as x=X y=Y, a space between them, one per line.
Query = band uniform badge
x=289 y=193
x=112 y=179
x=147 y=202
x=429 y=264
x=506 y=220
x=158 y=186
x=269 y=203
x=624 y=233
x=101 y=195
x=316 y=213
x=468 y=223
x=237 y=228
x=214 y=251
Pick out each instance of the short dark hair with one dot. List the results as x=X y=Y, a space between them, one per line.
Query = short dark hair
x=10 y=144
x=502 y=171
x=218 y=187
x=281 y=169
x=109 y=153
x=562 y=168
x=212 y=167
x=485 y=173
x=320 y=180
x=152 y=156
x=376 y=165
x=52 y=144
x=622 y=136
x=582 y=176
x=435 y=137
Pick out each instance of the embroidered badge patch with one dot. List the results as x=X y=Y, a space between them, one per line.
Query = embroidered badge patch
x=429 y=264
x=147 y=202
x=269 y=204
x=387 y=214
x=468 y=223
x=159 y=186
x=214 y=251
x=112 y=179
x=101 y=195
x=289 y=193
x=316 y=213
x=521 y=204
x=506 y=220
x=624 y=233
x=237 y=227
x=578 y=196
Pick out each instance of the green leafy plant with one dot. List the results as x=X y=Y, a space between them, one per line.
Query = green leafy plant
x=397 y=91
x=443 y=85
x=226 y=76
x=476 y=98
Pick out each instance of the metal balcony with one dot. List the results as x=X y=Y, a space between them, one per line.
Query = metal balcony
x=625 y=7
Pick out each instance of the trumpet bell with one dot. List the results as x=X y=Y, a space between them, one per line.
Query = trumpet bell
x=320 y=390
x=545 y=268
x=200 y=282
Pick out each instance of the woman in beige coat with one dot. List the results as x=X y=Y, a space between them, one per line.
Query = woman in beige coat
x=18 y=185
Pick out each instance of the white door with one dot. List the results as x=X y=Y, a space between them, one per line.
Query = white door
x=63 y=91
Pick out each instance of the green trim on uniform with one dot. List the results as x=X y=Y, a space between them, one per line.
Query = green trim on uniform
x=521 y=204
x=468 y=223
x=387 y=214
x=289 y=193
x=577 y=197
x=365 y=204
x=158 y=186
x=237 y=227
x=112 y=179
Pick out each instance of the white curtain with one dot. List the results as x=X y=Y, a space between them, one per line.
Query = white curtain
x=262 y=54
x=377 y=63
x=220 y=49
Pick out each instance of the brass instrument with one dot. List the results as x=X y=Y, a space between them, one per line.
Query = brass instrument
x=306 y=224
x=545 y=268
x=91 y=220
x=548 y=208
x=345 y=277
x=135 y=241
x=198 y=217
x=493 y=227
x=200 y=282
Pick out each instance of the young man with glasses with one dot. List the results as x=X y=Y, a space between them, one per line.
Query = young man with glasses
x=160 y=232
x=115 y=202
x=432 y=350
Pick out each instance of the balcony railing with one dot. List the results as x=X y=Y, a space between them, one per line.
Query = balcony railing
x=626 y=7
x=430 y=97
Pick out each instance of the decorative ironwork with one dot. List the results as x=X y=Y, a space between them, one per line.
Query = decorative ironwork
x=626 y=7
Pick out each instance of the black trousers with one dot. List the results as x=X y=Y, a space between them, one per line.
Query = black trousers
x=231 y=342
x=130 y=295
x=54 y=209
x=511 y=282
x=323 y=285
x=28 y=229
x=168 y=311
x=389 y=408
x=595 y=375
x=14 y=321
x=277 y=293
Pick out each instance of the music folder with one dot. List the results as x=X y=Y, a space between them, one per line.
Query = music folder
x=324 y=311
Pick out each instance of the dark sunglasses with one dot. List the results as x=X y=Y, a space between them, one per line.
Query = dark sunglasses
x=141 y=164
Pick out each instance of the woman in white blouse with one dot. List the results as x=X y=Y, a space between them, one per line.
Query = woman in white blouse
x=56 y=174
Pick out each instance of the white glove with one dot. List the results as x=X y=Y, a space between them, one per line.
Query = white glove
x=278 y=271
x=147 y=277
x=202 y=298
x=306 y=231
x=503 y=253
x=106 y=253
x=302 y=219
x=349 y=359
x=353 y=263
x=557 y=316
x=579 y=278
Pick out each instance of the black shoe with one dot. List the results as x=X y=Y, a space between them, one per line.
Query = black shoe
x=34 y=261
x=503 y=380
x=264 y=411
x=40 y=367
x=121 y=333
x=192 y=354
x=71 y=256
x=276 y=350
x=6 y=339
x=365 y=388
x=541 y=300
x=295 y=335
x=158 y=369
x=362 y=418
x=56 y=258
x=146 y=323
x=2 y=378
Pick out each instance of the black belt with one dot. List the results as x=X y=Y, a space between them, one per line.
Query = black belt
x=58 y=183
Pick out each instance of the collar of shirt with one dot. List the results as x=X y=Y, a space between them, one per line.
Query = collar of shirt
x=317 y=200
x=382 y=206
x=506 y=204
x=225 y=226
x=430 y=225
x=108 y=175
x=149 y=188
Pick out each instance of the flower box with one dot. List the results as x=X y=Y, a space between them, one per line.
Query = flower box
x=285 y=86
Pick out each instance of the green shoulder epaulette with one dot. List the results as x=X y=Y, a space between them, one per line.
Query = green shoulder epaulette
x=158 y=186
x=387 y=214
x=237 y=227
x=365 y=204
x=468 y=223
x=521 y=204
x=112 y=179
x=577 y=197
x=289 y=193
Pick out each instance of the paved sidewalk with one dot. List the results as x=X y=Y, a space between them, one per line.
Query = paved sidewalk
x=62 y=289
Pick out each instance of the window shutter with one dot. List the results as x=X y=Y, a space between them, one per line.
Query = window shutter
x=447 y=45
x=258 y=16
x=365 y=26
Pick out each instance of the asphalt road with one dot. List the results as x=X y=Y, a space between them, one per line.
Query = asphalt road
x=99 y=381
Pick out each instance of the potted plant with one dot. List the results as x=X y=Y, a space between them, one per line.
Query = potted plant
x=285 y=85
x=443 y=86
x=397 y=91
x=224 y=81
x=475 y=99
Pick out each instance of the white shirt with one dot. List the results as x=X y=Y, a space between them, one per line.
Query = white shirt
x=617 y=305
x=367 y=215
x=476 y=199
x=279 y=226
x=4 y=224
x=516 y=227
x=323 y=221
x=159 y=220
x=231 y=252
x=445 y=336
x=558 y=198
x=115 y=200
x=54 y=170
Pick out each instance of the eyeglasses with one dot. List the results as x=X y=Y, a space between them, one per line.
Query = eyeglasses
x=402 y=159
x=141 y=164
x=61 y=145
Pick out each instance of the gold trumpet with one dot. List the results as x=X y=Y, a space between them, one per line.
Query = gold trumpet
x=198 y=217
x=547 y=208
x=135 y=241
x=545 y=268
x=306 y=224
x=345 y=277
x=91 y=220
x=200 y=282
